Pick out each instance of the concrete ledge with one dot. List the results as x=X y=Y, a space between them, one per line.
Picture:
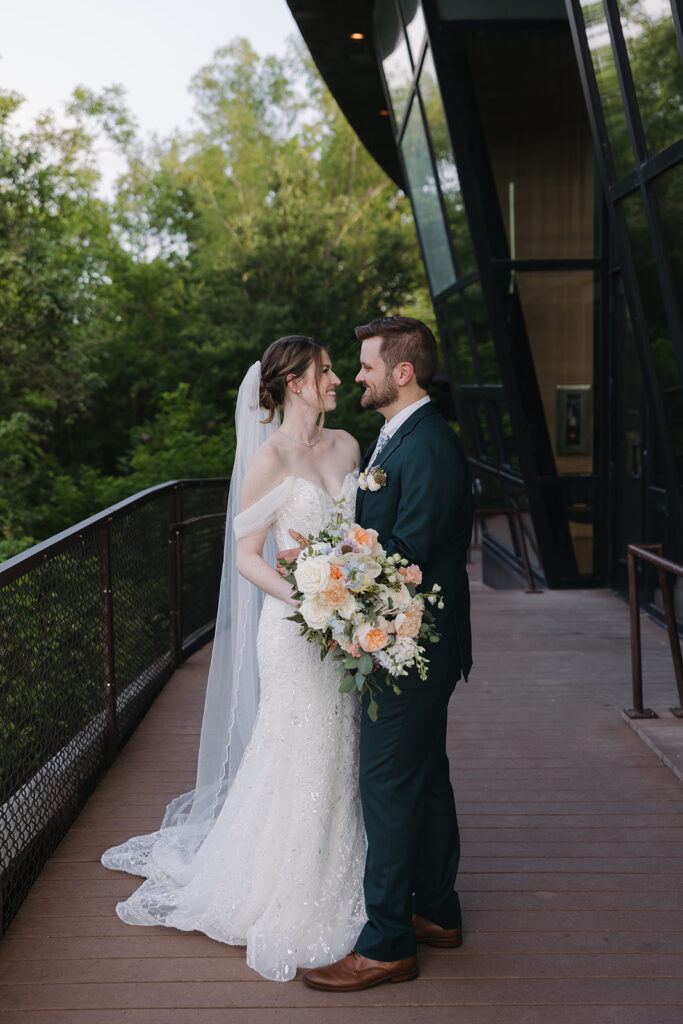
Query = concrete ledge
x=663 y=735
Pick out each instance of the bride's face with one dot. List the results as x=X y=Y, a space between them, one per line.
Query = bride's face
x=309 y=387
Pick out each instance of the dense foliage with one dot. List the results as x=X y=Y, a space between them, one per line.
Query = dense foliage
x=126 y=324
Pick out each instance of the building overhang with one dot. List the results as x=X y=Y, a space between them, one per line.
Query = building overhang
x=351 y=70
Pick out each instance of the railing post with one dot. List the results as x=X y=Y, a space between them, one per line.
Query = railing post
x=108 y=642
x=531 y=586
x=175 y=568
x=637 y=711
x=675 y=643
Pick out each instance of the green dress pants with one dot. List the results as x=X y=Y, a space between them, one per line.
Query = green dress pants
x=410 y=820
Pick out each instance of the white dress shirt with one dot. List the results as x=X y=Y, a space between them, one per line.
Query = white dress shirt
x=391 y=426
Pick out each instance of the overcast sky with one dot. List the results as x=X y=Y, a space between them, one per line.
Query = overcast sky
x=151 y=47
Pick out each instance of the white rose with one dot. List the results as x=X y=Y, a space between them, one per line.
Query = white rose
x=372 y=568
x=315 y=612
x=348 y=608
x=312 y=575
x=383 y=597
x=372 y=484
x=402 y=598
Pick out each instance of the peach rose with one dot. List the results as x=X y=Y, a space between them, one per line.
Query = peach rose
x=410 y=574
x=334 y=595
x=336 y=573
x=365 y=539
x=352 y=649
x=408 y=623
x=371 y=638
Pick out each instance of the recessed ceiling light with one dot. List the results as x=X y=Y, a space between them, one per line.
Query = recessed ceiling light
x=357 y=36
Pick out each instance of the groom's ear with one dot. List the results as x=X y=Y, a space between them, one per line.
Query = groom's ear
x=406 y=373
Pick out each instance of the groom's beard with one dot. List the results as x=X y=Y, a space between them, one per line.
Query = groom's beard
x=381 y=396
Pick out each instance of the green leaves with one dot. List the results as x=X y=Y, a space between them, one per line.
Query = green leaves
x=365 y=665
x=348 y=684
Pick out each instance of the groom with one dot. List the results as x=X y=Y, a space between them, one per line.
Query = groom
x=423 y=511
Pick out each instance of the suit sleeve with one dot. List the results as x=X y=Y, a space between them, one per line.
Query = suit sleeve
x=435 y=488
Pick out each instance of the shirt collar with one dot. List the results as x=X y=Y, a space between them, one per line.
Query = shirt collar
x=392 y=425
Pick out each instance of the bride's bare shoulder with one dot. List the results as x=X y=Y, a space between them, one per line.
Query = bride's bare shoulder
x=345 y=445
x=268 y=469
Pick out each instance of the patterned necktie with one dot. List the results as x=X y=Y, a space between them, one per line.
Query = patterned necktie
x=381 y=441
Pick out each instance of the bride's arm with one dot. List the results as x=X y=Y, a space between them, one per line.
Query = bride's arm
x=257 y=483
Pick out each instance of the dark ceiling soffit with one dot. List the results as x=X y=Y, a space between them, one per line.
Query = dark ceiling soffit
x=351 y=71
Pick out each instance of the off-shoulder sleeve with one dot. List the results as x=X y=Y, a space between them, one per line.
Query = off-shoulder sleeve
x=263 y=512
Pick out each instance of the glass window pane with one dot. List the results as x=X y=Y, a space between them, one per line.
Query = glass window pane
x=415 y=26
x=605 y=69
x=538 y=138
x=656 y=68
x=395 y=57
x=460 y=347
x=488 y=447
x=668 y=188
x=559 y=311
x=487 y=359
x=426 y=203
x=659 y=334
x=445 y=167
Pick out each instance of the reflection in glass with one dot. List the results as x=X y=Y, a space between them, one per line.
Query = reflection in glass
x=668 y=188
x=395 y=57
x=426 y=203
x=656 y=68
x=604 y=66
x=559 y=310
x=415 y=25
x=538 y=139
x=445 y=166
x=453 y=336
x=487 y=360
x=488 y=448
x=461 y=349
x=659 y=333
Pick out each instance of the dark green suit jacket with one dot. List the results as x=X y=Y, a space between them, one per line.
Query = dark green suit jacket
x=424 y=511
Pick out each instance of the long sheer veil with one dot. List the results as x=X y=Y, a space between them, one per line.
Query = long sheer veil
x=233 y=685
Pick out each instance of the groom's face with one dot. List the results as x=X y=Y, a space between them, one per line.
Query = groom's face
x=381 y=390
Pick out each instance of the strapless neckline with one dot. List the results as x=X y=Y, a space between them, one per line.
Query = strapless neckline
x=319 y=487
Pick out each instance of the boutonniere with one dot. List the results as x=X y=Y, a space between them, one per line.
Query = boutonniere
x=372 y=479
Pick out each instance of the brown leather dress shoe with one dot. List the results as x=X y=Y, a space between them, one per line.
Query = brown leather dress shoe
x=434 y=935
x=356 y=972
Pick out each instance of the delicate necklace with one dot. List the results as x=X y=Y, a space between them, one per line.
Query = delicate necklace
x=306 y=444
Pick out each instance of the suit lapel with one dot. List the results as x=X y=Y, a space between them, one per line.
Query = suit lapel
x=406 y=428
x=391 y=447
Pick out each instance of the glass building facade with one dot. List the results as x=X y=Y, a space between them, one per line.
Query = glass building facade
x=541 y=144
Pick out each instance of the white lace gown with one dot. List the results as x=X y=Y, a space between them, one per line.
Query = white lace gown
x=281 y=870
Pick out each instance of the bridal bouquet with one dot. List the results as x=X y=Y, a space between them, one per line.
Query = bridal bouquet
x=362 y=606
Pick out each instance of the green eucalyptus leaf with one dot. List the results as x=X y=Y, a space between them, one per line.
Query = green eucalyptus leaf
x=365 y=664
x=372 y=710
x=347 y=684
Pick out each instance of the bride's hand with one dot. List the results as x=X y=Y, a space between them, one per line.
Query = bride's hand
x=290 y=554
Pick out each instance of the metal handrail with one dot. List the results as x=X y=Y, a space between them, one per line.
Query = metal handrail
x=652 y=553
x=91 y=626
x=514 y=513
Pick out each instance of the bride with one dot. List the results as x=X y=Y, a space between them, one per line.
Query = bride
x=268 y=850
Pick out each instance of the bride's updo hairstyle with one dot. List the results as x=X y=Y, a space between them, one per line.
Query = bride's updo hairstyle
x=288 y=357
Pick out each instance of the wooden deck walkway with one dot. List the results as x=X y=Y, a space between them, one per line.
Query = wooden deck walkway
x=572 y=875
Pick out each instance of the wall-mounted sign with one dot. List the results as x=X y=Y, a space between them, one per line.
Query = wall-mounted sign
x=573 y=419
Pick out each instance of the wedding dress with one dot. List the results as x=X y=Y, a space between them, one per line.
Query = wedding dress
x=281 y=869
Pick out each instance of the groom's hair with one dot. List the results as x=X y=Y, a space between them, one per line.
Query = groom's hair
x=404 y=340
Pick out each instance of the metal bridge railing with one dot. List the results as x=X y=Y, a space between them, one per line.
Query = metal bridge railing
x=652 y=553
x=92 y=624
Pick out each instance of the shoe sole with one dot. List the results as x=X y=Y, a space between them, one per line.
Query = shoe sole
x=393 y=978
x=442 y=943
